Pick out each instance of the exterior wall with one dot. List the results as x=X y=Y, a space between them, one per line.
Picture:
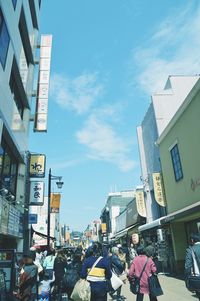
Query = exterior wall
x=15 y=126
x=121 y=221
x=185 y=132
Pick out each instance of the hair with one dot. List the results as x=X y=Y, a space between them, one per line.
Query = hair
x=141 y=250
x=195 y=237
x=60 y=255
x=96 y=249
x=46 y=276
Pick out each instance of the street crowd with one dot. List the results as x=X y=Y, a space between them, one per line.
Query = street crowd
x=57 y=275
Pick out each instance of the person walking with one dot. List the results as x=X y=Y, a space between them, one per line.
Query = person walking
x=135 y=270
x=28 y=279
x=45 y=287
x=117 y=266
x=60 y=264
x=189 y=264
x=98 y=275
x=48 y=263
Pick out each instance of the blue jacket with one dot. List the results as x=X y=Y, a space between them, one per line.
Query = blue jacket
x=101 y=270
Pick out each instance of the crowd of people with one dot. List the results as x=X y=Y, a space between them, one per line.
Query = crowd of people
x=49 y=275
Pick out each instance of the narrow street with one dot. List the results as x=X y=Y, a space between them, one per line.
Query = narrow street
x=174 y=290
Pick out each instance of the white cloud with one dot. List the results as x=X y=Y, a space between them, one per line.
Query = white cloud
x=172 y=50
x=104 y=144
x=78 y=94
x=65 y=164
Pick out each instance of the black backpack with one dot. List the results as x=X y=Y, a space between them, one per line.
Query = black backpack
x=71 y=276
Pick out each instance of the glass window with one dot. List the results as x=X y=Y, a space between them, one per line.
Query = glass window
x=8 y=171
x=16 y=92
x=176 y=161
x=4 y=40
x=14 y=3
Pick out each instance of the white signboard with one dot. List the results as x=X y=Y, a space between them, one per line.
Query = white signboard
x=36 y=193
x=43 y=84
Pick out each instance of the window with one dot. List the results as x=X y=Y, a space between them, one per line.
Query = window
x=176 y=161
x=25 y=38
x=8 y=170
x=16 y=93
x=33 y=13
x=14 y=3
x=4 y=40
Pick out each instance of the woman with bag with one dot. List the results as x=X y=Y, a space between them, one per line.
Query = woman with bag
x=142 y=267
x=117 y=266
x=96 y=269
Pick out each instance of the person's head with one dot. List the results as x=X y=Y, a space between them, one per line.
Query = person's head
x=115 y=250
x=51 y=252
x=194 y=237
x=96 y=249
x=29 y=257
x=141 y=250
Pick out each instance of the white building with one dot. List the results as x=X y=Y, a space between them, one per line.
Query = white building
x=40 y=228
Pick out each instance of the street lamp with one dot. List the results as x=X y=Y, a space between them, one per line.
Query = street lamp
x=59 y=184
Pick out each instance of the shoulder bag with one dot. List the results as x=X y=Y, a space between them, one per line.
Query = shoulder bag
x=135 y=281
x=82 y=290
x=193 y=280
x=154 y=286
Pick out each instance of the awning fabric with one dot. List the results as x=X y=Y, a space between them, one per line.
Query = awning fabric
x=153 y=224
x=123 y=232
x=42 y=234
x=181 y=213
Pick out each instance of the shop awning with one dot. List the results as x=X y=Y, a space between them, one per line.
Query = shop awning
x=43 y=235
x=123 y=232
x=181 y=213
x=153 y=224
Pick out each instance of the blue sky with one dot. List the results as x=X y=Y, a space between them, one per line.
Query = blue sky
x=108 y=57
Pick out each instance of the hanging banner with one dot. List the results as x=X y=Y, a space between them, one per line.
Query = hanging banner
x=37 y=166
x=140 y=203
x=36 y=193
x=159 y=192
x=43 y=84
x=55 y=202
x=103 y=228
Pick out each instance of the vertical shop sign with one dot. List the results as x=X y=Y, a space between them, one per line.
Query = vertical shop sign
x=141 y=208
x=43 y=84
x=37 y=166
x=159 y=192
x=36 y=193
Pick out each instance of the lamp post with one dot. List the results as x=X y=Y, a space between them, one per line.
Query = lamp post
x=59 y=185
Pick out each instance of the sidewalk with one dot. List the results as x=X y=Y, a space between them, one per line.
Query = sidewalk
x=174 y=290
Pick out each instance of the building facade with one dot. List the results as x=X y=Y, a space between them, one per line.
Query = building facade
x=179 y=152
x=19 y=24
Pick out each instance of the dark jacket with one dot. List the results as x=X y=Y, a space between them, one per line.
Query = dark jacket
x=59 y=268
x=116 y=264
x=189 y=260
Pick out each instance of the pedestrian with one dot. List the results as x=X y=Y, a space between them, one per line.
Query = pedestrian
x=117 y=266
x=48 y=263
x=150 y=249
x=60 y=264
x=45 y=287
x=131 y=252
x=99 y=274
x=73 y=271
x=135 y=270
x=189 y=263
x=28 y=278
